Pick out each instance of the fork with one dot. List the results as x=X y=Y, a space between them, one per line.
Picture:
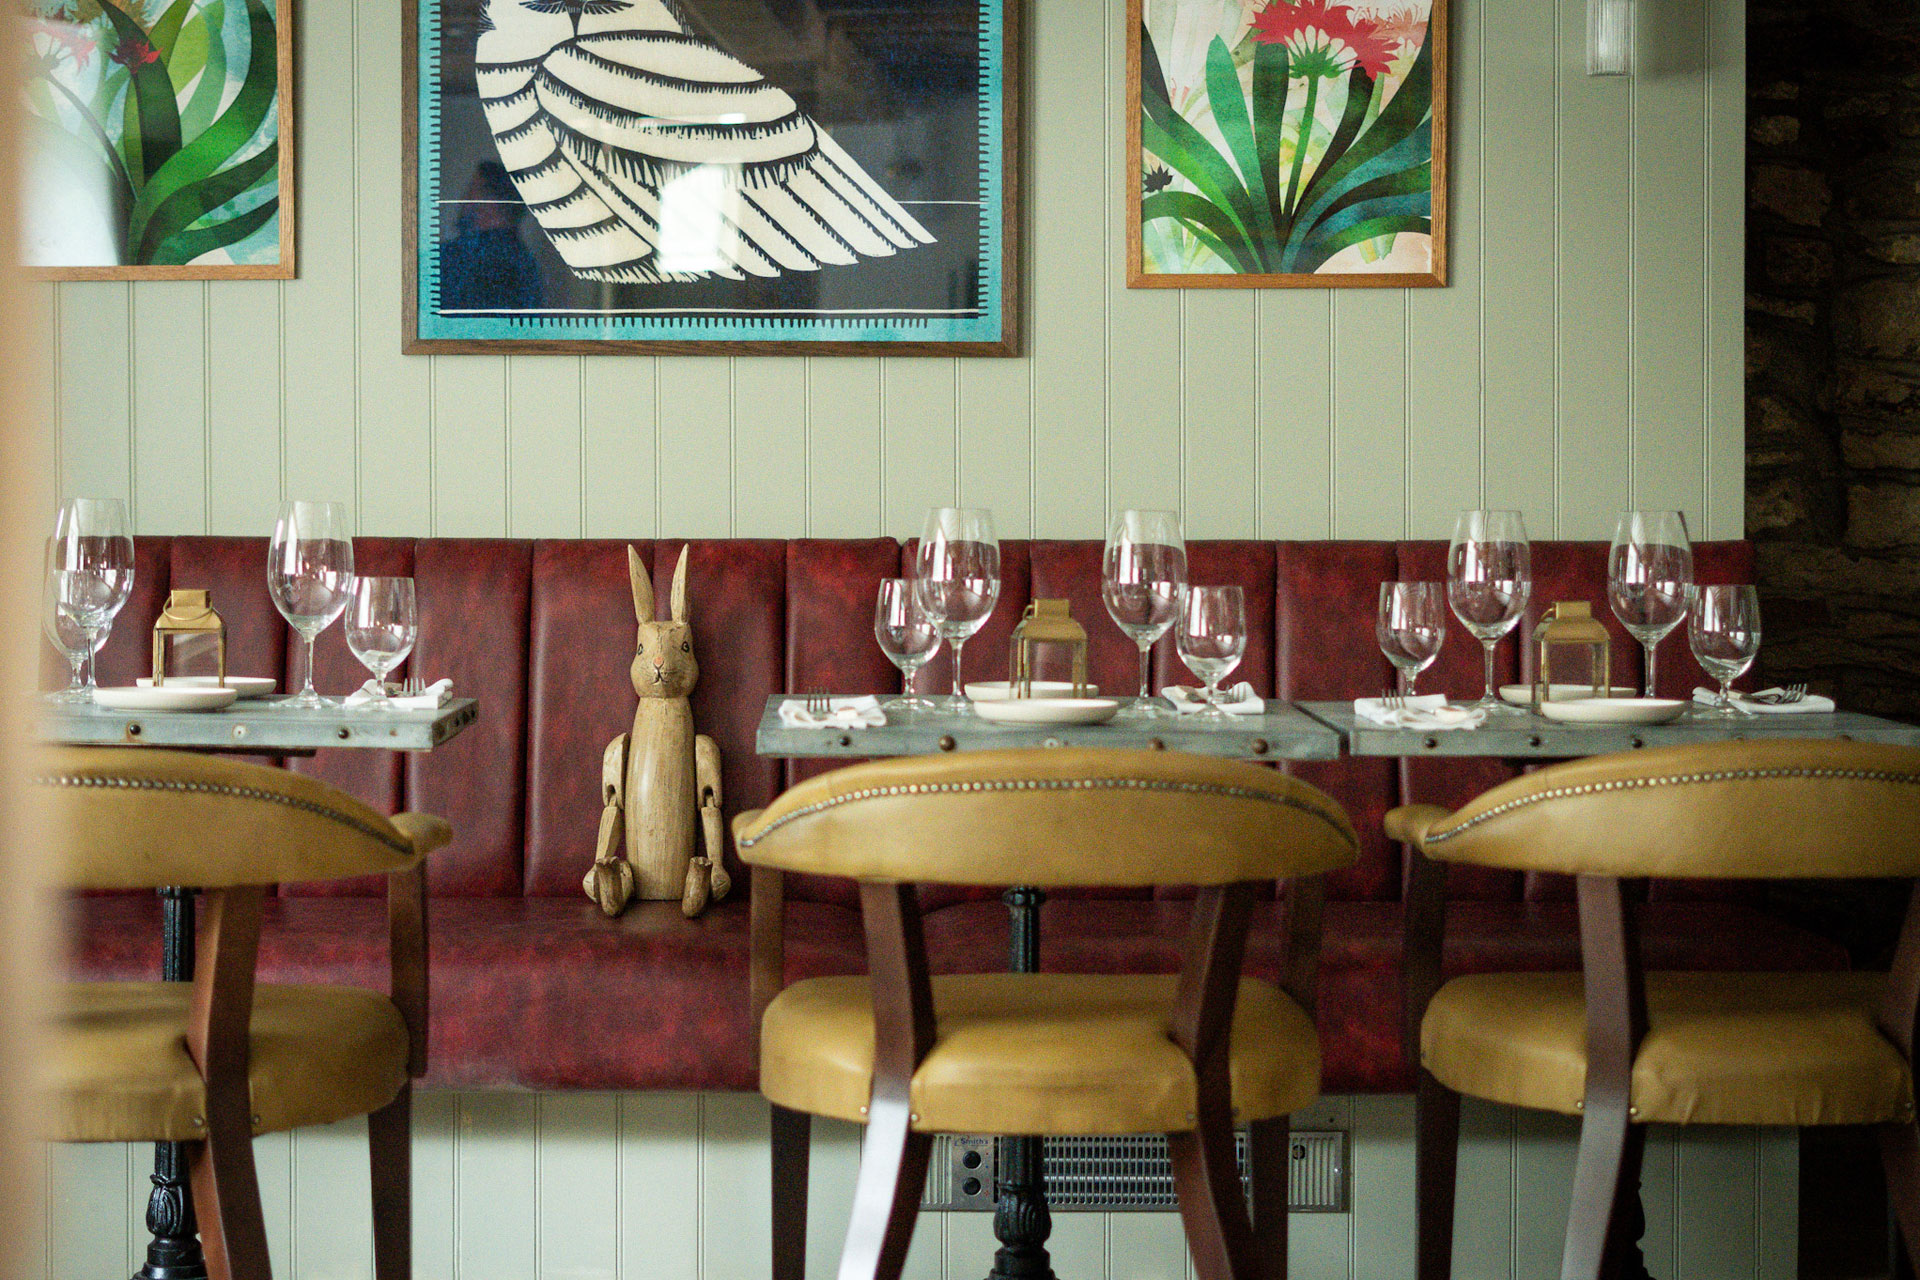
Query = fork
x=1785 y=698
x=412 y=687
x=819 y=703
x=1390 y=700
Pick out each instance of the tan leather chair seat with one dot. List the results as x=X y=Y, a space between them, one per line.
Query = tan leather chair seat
x=1721 y=1048
x=1037 y=1053
x=118 y=1070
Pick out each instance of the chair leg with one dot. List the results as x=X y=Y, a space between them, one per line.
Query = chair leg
x=1271 y=1160
x=1437 y=1156
x=1607 y=1138
x=791 y=1133
x=1206 y=1180
x=1900 y=1157
x=390 y=1153
x=226 y=1197
x=886 y=1197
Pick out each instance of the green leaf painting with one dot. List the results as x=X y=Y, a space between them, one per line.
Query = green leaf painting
x=153 y=134
x=1288 y=138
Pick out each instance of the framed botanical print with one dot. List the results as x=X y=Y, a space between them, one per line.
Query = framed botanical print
x=157 y=140
x=1286 y=143
x=704 y=176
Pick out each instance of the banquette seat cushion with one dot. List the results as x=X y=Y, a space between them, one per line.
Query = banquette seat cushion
x=532 y=988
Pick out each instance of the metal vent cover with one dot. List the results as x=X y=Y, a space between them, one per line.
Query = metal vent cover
x=1127 y=1173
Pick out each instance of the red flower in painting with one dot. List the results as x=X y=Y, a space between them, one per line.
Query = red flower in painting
x=1334 y=32
x=134 y=52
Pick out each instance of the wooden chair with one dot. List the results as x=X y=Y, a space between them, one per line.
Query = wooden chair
x=910 y=1056
x=214 y=1062
x=1623 y=1049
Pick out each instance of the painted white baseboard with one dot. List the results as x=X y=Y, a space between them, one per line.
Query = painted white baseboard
x=673 y=1186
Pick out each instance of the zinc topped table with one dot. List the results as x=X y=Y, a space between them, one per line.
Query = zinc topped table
x=1021 y=1222
x=255 y=726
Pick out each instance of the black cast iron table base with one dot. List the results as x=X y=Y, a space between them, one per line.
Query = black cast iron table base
x=173 y=1251
x=1021 y=1222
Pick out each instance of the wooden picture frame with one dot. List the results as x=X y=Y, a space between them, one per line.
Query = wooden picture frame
x=946 y=147
x=212 y=183
x=1284 y=230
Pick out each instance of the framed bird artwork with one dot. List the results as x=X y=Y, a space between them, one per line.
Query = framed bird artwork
x=819 y=177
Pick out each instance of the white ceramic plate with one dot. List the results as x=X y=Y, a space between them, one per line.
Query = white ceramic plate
x=1522 y=694
x=168 y=697
x=996 y=690
x=1048 y=710
x=1614 y=710
x=245 y=686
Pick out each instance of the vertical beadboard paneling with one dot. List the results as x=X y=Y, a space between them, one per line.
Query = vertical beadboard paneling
x=1714 y=1240
x=1078 y=1245
x=1383 y=1208
x=995 y=445
x=1516 y=193
x=543 y=447
x=1217 y=381
x=245 y=481
x=1483 y=1192
x=436 y=1222
x=694 y=447
x=332 y=1229
x=1659 y=1199
x=1320 y=1245
x=919 y=428
x=1778 y=1222
x=1145 y=1246
x=735 y=1182
x=495 y=1186
x=843 y=400
x=579 y=1186
x=617 y=448
x=96 y=444
x=89 y=1226
x=1726 y=125
x=1543 y=1154
x=273 y=1166
x=1293 y=413
x=770 y=412
x=170 y=406
x=659 y=1141
x=470 y=446
x=1370 y=413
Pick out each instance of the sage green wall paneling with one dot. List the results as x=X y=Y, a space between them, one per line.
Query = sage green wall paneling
x=396 y=397
x=619 y=459
x=1484 y=1192
x=1443 y=325
x=996 y=445
x=1543 y=1155
x=659 y=1141
x=1520 y=175
x=920 y=440
x=735 y=1184
x=579 y=1188
x=1777 y=1222
x=1660 y=1200
x=693 y=486
x=1719 y=1245
x=95 y=393
x=1320 y=1245
x=469 y=473
x=1218 y=432
x=332 y=1233
x=1370 y=413
x=1595 y=287
x=89 y=1231
x=544 y=474
x=843 y=441
x=170 y=406
x=770 y=426
x=1670 y=219
x=1070 y=196
x=1145 y=1246
x=1078 y=1245
x=435 y=1125
x=1382 y=1179
x=495 y=1178
x=246 y=478
x=1725 y=461
x=1293 y=412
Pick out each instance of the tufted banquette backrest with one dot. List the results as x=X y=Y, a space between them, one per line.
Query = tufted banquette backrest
x=542 y=632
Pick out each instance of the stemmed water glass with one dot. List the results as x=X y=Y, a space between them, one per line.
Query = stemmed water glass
x=310 y=576
x=1142 y=575
x=1411 y=626
x=91 y=562
x=1649 y=576
x=1212 y=636
x=382 y=624
x=957 y=577
x=1724 y=630
x=907 y=636
x=65 y=633
x=1489 y=578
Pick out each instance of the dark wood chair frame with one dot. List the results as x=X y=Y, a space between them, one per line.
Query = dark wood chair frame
x=226 y=1189
x=1605 y=1222
x=1227 y=1242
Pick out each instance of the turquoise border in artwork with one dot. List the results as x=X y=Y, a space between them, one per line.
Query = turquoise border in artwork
x=986 y=327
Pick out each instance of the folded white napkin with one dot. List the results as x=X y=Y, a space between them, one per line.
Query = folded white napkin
x=1812 y=702
x=436 y=696
x=1428 y=711
x=845 y=713
x=1240 y=700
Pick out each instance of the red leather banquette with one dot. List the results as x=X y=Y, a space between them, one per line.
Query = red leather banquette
x=533 y=988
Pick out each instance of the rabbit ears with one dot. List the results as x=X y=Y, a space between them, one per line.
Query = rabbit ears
x=643 y=587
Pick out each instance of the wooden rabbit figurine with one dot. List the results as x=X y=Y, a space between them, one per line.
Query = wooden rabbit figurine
x=661 y=778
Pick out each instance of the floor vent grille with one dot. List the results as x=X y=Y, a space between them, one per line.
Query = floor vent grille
x=1126 y=1173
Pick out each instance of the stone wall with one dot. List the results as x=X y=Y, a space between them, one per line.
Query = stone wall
x=1833 y=344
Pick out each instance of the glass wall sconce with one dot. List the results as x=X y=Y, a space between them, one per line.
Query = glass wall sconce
x=1609 y=37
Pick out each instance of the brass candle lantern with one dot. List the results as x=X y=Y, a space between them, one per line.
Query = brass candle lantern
x=1046 y=622
x=1571 y=625
x=188 y=613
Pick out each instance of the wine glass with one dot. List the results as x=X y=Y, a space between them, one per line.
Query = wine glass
x=907 y=636
x=957 y=577
x=382 y=624
x=310 y=576
x=66 y=634
x=1212 y=637
x=1649 y=574
x=1411 y=626
x=1489 y=577
x=91 y=558
x=1142 y=574
x=1724 y=630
